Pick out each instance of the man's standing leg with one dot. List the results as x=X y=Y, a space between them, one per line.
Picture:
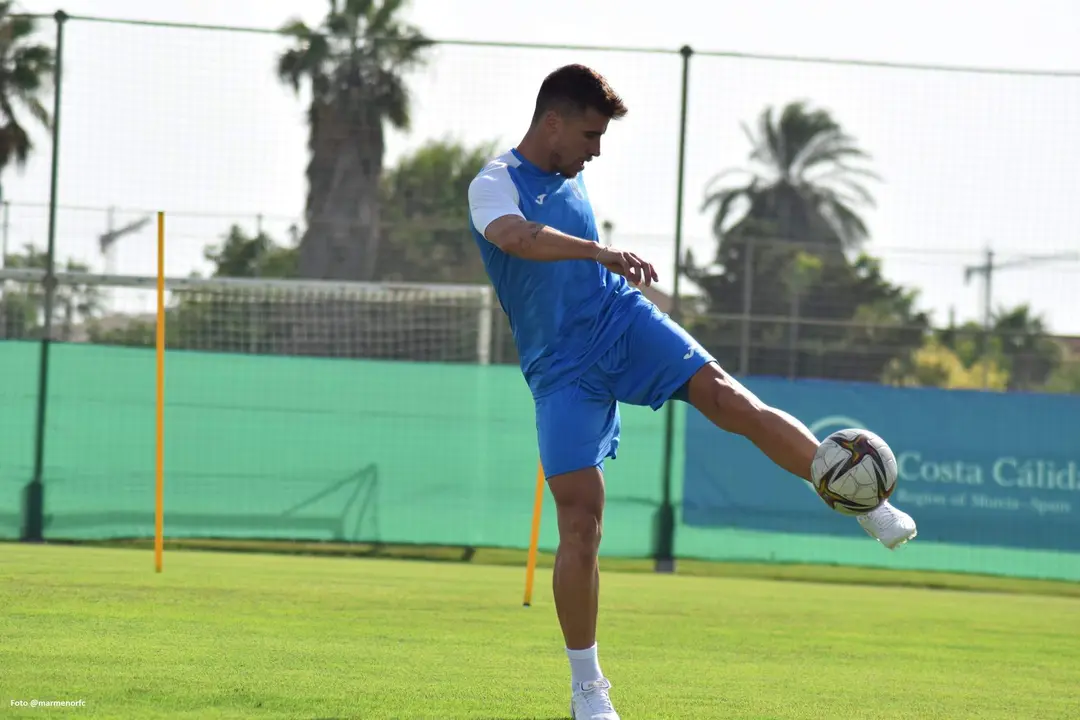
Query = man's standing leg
x=579 y=504
x=578 y=428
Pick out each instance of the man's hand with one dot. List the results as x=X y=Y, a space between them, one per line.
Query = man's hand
x=627 y=264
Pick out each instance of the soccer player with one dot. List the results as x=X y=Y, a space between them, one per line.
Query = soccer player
x=588 y=340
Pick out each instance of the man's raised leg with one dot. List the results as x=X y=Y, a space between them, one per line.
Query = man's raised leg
x=784 y=440
x=579 y=503
x=731 y=407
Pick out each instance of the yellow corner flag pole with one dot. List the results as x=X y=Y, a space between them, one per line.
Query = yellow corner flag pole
x=538 y=506
x=159 y=522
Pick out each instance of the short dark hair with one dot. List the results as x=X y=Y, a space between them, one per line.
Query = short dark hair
x=575 y=88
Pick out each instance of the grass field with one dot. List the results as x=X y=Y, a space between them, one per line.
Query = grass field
x=245 y=635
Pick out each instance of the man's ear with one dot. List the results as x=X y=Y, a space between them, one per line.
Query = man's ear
x=551 y=121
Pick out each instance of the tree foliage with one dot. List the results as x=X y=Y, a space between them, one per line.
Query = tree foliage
x=1015 y=353
x=250 y=256
x=800 y=198
x=425 y=234
x=22 y=306
x=801 y=184
x=26 y=69
x=937 y=365
x=1065 y=378
x=425 y=214
x=354 y=65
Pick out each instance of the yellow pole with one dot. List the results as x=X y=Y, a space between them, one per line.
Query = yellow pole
x=538 y=506
x=159 y=524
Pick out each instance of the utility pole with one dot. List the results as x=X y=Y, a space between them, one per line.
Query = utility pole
x=4 y=233
x=608 y=227
x=987 y=269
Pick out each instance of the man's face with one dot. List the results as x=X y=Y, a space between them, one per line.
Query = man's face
x=575 y=140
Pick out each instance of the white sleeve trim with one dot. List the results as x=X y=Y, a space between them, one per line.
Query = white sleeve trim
x=492 y=195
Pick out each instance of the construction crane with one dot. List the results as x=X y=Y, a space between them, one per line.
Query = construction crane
x=107 y=244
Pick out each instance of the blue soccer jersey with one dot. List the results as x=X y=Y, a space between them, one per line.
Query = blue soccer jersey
x=563 y=314
x=587 y=338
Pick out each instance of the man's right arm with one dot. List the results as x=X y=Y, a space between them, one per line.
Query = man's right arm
x=536 y=241
x=495 y=213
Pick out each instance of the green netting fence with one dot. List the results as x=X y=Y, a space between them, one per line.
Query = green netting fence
x=355 y=450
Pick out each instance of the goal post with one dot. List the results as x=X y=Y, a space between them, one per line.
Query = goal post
x=245 y=330
x=370 y=320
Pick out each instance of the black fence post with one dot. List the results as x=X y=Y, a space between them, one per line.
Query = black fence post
x=34 y=494
x=665 y=514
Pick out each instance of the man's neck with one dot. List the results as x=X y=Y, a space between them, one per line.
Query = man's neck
x=532 y=151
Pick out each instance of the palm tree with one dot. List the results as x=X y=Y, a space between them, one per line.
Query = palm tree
x=25 y=69
x=800 y=192
x=800 y=186
x=354 y=63
x=794 y=214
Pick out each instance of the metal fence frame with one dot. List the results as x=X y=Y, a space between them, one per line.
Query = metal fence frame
x=665 y=518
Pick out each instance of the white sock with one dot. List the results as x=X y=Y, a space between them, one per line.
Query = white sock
x=583 y=665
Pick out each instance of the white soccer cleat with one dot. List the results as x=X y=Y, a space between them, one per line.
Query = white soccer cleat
x=889 y=526
x=591 y=701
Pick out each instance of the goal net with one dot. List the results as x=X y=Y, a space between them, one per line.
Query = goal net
x=390 y=321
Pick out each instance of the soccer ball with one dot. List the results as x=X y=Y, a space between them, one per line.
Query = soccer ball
x=854 y=471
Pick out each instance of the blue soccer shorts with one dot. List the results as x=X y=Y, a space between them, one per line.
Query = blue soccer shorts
x=577 y=425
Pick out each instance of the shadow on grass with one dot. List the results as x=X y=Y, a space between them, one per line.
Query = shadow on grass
x=511 y=557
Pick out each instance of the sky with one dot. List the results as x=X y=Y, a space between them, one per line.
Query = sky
x=195 y=123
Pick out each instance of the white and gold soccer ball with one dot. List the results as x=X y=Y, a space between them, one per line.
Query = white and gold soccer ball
x=854 y=471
